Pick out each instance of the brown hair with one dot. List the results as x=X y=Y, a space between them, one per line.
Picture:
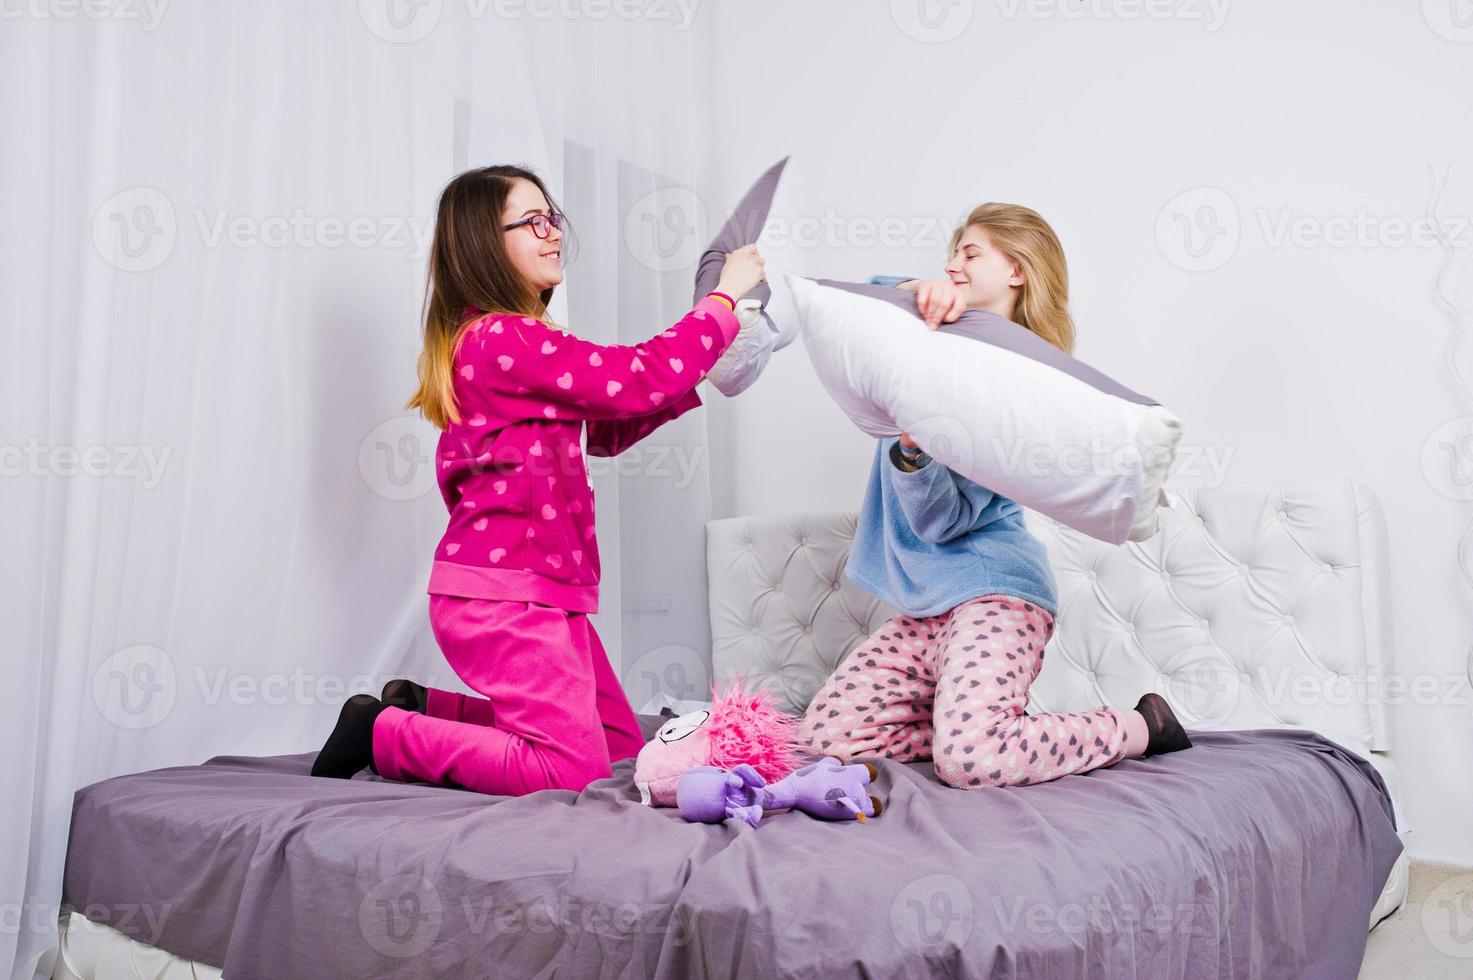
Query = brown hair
x=1022 y=235
x=469 y=267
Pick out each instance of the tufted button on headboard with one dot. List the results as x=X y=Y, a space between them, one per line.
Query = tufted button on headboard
x=1254 y=606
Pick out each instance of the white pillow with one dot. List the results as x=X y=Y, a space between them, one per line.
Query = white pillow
x=743 y=361
x=1010 y=412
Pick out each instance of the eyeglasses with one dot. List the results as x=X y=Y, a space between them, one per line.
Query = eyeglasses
x=541 y=223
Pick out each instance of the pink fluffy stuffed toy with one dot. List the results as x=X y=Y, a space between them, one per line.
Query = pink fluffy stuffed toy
x=741 y=726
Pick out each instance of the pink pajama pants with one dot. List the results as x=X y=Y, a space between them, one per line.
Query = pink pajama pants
x=552 y=714
x=953 y=687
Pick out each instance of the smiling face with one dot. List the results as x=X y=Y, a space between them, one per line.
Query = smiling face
x=539 y=261
x=988 y=278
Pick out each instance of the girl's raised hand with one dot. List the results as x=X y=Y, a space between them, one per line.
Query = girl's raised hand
x=742 y=272
x=939 y=301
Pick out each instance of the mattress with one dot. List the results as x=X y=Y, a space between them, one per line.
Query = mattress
x=1258 y=852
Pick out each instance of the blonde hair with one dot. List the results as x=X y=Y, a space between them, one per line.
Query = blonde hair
x=1021 y=234
x=469 y=269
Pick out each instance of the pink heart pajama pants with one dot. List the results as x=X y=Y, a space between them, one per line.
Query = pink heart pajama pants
x=953 y=687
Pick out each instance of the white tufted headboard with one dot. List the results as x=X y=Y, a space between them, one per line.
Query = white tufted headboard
x=1255 y=606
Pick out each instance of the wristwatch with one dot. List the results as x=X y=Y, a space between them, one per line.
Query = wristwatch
x=907 y=460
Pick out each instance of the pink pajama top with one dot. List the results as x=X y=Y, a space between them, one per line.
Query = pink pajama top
x=512 y=471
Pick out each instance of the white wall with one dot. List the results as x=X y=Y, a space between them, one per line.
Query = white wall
x=1285 y=360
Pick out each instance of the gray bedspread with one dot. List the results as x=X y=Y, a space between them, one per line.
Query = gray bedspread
x=1256 y=853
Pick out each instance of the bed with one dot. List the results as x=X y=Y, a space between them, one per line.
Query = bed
x=1267 y=849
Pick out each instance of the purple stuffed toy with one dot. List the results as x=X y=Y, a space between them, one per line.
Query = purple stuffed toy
x=741 y=726
x=827 y=789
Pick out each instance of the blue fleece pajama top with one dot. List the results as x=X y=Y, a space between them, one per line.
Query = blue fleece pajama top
x=930 y=540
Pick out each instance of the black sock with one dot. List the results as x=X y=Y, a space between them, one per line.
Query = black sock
x=350 y=746
x=404 y=693
x=1164 y=731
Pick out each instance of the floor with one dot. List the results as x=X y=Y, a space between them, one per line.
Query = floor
x=1431 y=936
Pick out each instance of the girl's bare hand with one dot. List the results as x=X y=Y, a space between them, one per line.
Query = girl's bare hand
x=742 y=272
x=939 y=301
x=907 y=441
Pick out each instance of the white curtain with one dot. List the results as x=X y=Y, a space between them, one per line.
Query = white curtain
x=218 y=519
